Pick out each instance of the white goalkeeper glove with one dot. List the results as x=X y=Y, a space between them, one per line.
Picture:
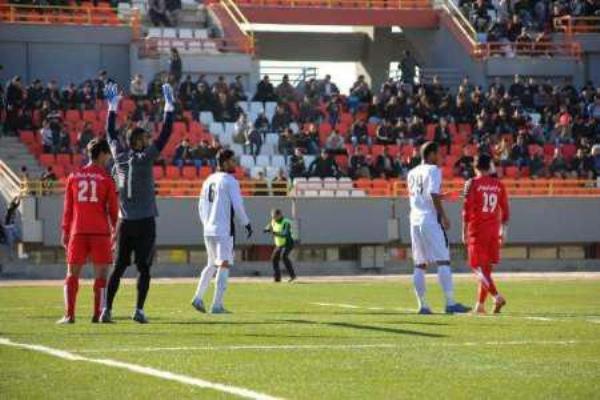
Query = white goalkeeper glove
x=169 y=97
x=111 y=93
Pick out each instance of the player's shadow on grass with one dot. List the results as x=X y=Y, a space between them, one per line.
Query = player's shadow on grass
x=369 y=328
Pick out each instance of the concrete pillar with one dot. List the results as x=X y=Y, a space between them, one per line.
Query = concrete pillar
x=381 y=48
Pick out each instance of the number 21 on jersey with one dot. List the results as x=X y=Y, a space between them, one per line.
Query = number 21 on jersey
x=87 y=191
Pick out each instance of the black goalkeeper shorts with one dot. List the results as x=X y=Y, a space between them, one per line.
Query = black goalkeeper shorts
x=137 y=237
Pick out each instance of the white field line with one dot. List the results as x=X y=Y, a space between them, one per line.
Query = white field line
x=140 y=369
x=348 y=347
x=502 y=316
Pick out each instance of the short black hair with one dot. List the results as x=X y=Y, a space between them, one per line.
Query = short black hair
x=96 y=147
x=223 y=156
x=483 y=162
x=134 y=134
x=428 y=148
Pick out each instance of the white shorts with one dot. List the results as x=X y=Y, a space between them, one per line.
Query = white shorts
x=429 y=243
x=219 y=249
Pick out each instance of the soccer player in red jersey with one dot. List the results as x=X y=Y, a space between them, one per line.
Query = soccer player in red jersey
x=89 y=221
x=485 y=218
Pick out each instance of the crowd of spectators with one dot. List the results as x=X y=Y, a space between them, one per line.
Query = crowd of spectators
x=522 y=21
x=540 y=128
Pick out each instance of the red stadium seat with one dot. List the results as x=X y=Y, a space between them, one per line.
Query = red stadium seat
x=189 y=172
x=342 y=161
x=511 y=172
x=27 y=136
x=158 y=172
x=90 y=116
x=205 y=172
x=47 y=160
x=72 y=115
x=448 y=172
x=569 y=151
x=179 y=128
x=63 y=159
x=377 y=149
x=549 y=150
x=430 y=132
x=77 y=160
x=393 y=150
x=372 y=130
x=173 y=172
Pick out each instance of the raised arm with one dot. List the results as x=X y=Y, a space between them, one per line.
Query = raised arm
x=111 y=93
x=167 y=126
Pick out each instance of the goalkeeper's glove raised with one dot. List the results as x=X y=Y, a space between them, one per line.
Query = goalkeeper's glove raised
x=169 y=97
x=111 y=93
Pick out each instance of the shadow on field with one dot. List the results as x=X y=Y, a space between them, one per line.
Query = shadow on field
x=369 y=328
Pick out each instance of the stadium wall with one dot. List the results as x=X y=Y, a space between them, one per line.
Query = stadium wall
x=365 y=221
x=65 y=53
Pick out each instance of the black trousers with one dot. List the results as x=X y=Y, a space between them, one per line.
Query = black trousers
x=278 y=254
x=136 y=237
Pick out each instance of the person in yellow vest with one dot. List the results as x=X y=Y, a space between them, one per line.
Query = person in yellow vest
x=281 y=229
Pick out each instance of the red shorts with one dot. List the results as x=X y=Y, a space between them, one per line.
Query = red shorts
x=484 y=249
x=96 y=248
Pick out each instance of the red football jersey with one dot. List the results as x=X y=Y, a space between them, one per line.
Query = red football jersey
x=91 y=204
x=486 y=205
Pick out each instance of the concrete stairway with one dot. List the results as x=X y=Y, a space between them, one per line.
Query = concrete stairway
x=16 y=155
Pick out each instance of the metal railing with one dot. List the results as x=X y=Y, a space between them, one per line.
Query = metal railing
x=528 y=49
x=372 y=188
x=64 y=15
x=152 y=46
x=296 y=75
x=241 y=21
x=360 y=4
x=577 y=25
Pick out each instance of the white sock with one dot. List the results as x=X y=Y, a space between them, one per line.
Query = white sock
x=445 y=278
x=419 y=282
x=207 y=274
x=222 y=276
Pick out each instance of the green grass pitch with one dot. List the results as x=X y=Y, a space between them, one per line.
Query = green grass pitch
x=356 y=340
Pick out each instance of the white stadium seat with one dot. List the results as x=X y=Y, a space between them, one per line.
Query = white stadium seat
x=229 y=127
x=278 y=161
x=186 y=33
x=326 y=193
x=244 y=106
x=201 y=33
x=206 y=117
x=272 y=138
x=154 y=32
x=267 y=150
x=254 y=171
x=311 y=193
x=263 y=161
x=342 y=193
x=247 y=161
x=308 y=159
x=272 y=172
x=216 y=128
x=238 y=149
x=345 y=184
x=226 y=138
x=357 y=193
x=169 y=33
x=257 y=107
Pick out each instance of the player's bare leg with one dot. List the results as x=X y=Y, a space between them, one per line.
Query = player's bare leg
x=221 y=286
x=70 y=292
x=420 y=288
x=486 y=279
x=482 y=294
x=101 y=272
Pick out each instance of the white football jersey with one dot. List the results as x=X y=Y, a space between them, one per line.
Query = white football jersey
x=423 y=181
x=220 y=202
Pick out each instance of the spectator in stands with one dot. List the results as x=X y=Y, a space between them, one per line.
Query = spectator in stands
x=360 y=133
x=335 y=143
x=100 y=84
x=262 y=124
x=84 y=137
x=519 y=153
x=383 y=167
x=279 y=184
x=241 y=131
x=443 y=135
x=408 y=65
x=261 y=186
x=281 y=119
x=48 y=180
x=414 y=159
x=87 y=98
x=385 y=133
x=359 y=93
x=202 y=100
x=327 y=89
x=64 y=142
x=220 y=85
x=308 y=113
x=502 y=153
x=286 y=143
x=582 y=165
x=596 y=160
x=254 y=142
x=137 y=88
x=175 y=66
x=184 y=155
x=14 y=104
x=297 y=165
x=265 y=91
x=50 y=138
x=324 y=166
x=35 y=95
x=157 y=11
x=9 y=226
x=558 y=166
x=173 y=7
x=237 y=90
x=224 y=109
x=285 y=91
x=480 y=17
x=463 y=167
x=204 y=155
x=359 y=165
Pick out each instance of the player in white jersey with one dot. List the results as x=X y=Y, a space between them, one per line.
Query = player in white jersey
x=428 y=225
x=220 y=203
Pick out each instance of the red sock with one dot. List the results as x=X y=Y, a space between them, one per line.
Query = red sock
x=489 y=281
x=482 y=293
x=71 y=288
x=99 y=295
